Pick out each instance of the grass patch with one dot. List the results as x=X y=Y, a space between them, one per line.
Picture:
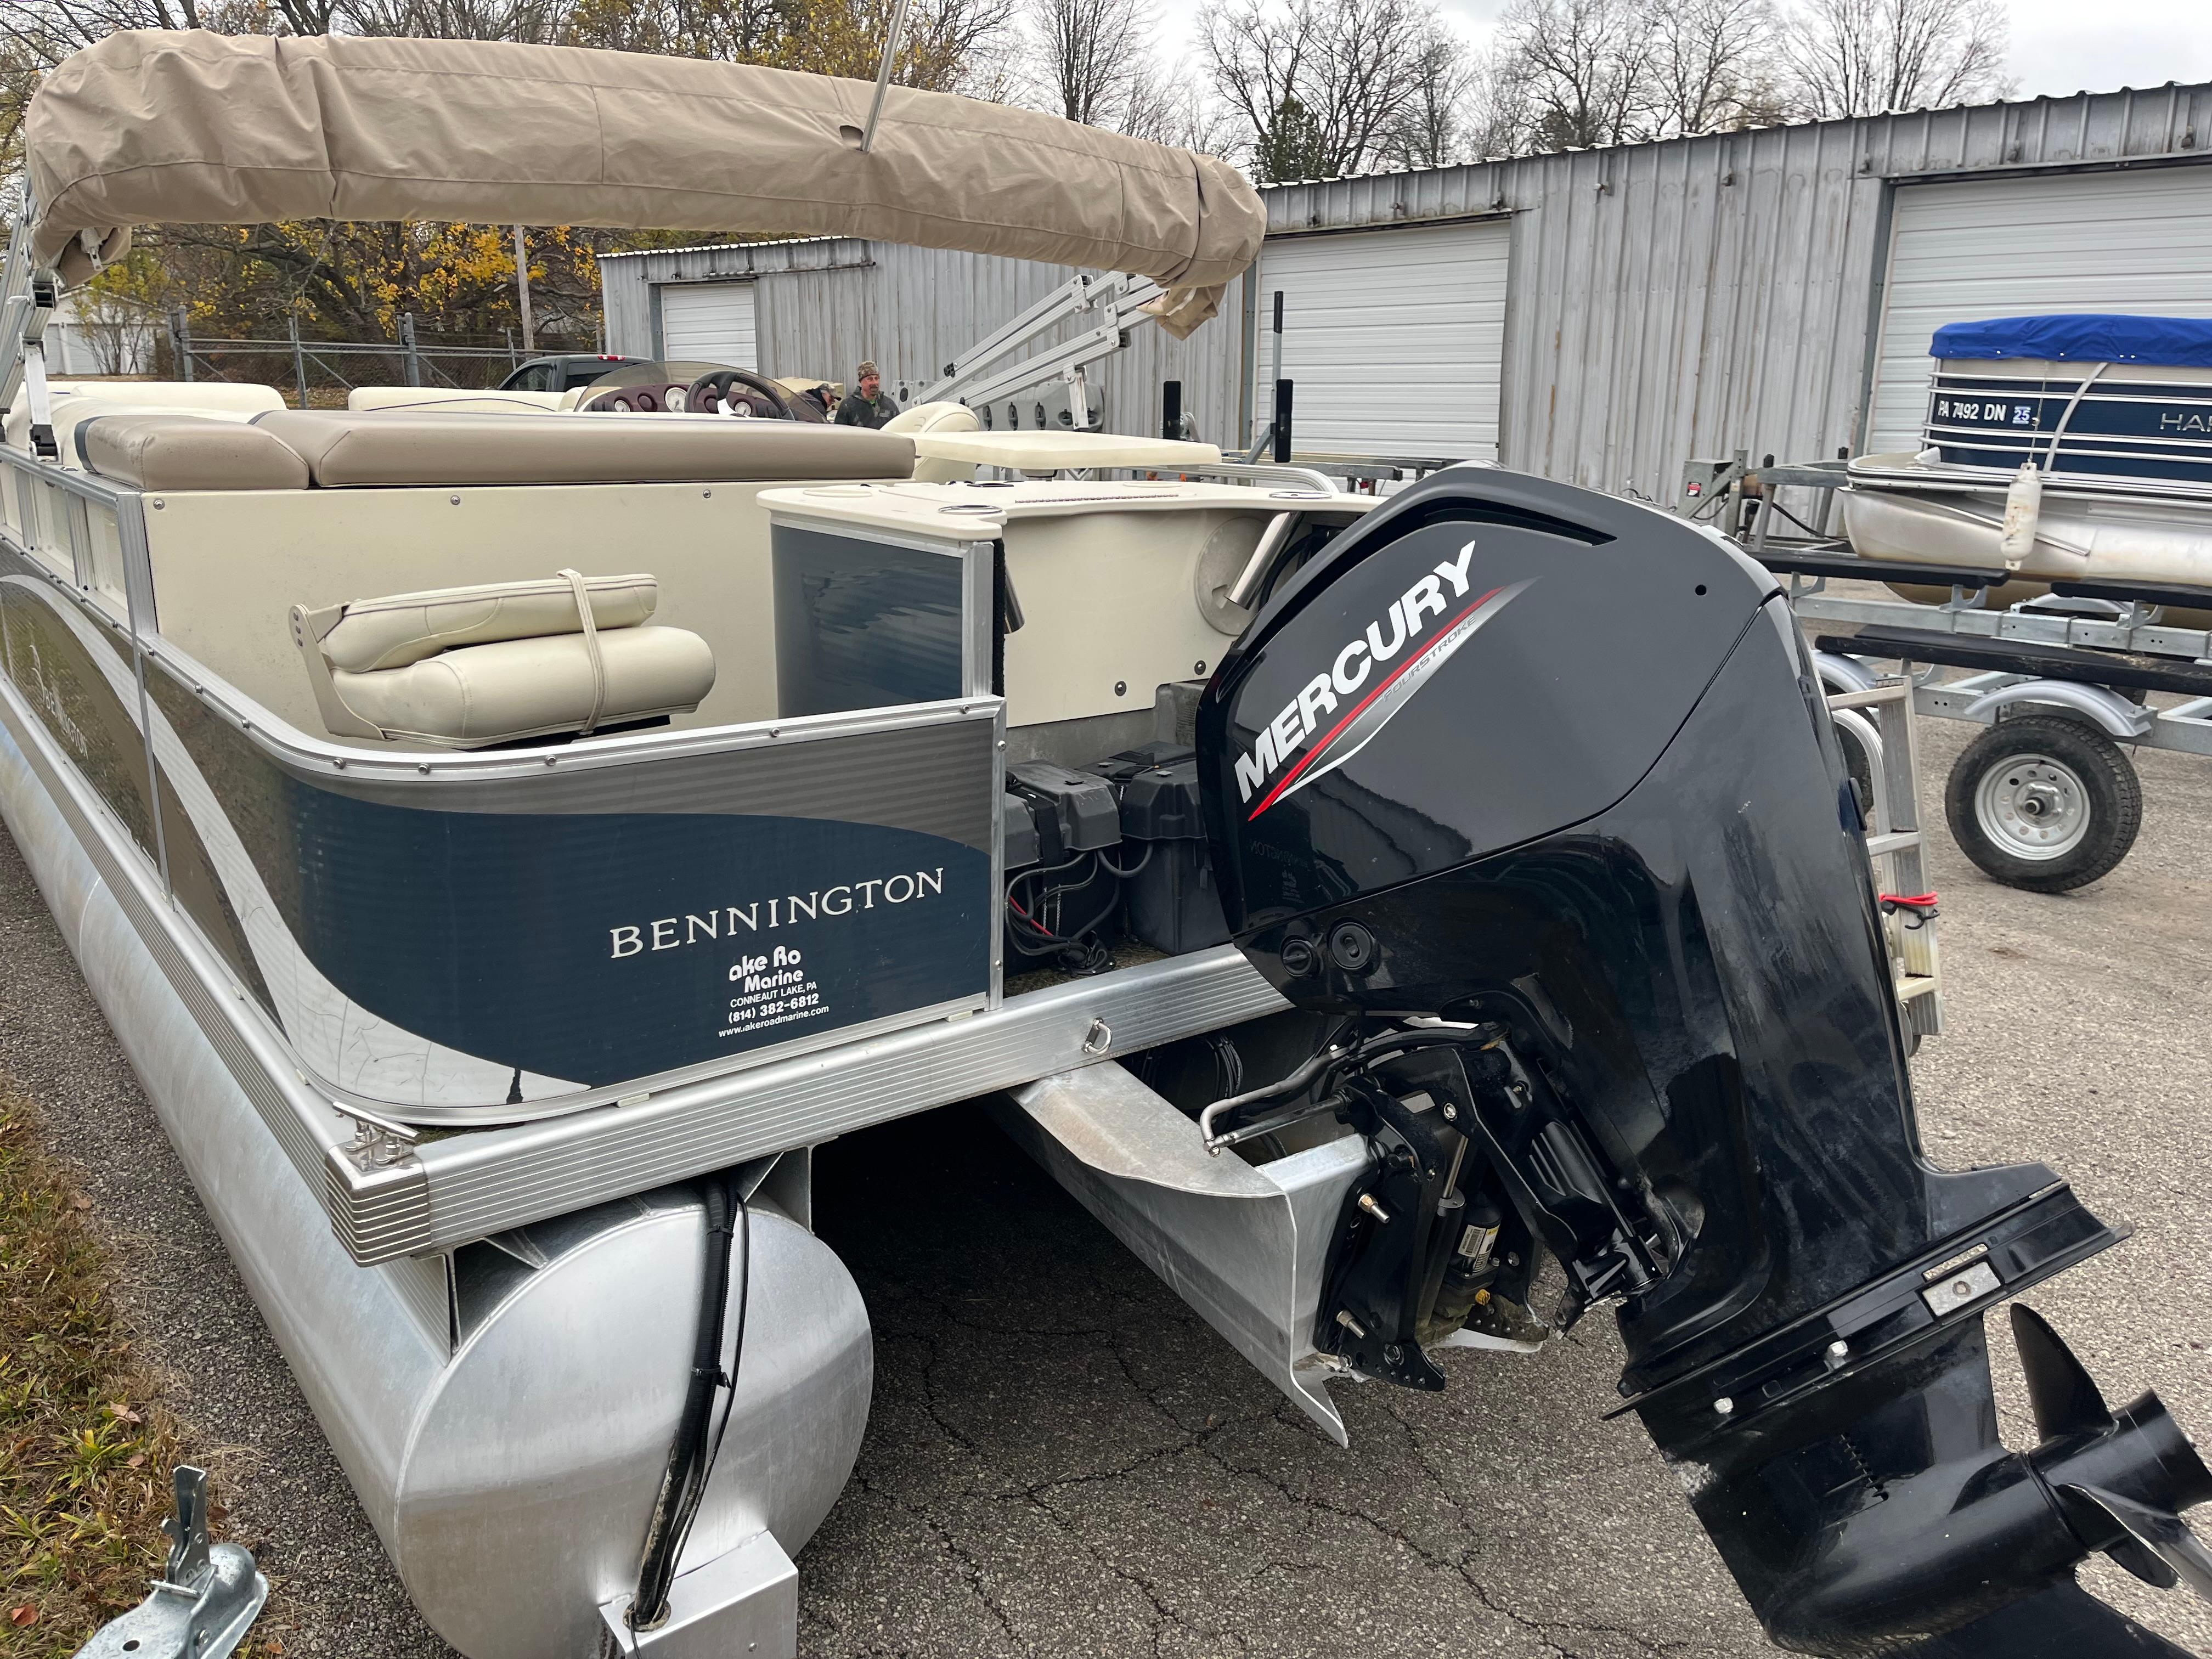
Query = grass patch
x=86 y=1443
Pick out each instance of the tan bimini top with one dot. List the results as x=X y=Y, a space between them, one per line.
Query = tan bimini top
x=184 y=127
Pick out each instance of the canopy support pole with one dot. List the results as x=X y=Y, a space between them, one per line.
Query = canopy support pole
x=522 y=291
x=20 y=295
x=883 y=74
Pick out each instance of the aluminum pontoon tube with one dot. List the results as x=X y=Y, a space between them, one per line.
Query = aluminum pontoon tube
x=503 y=1413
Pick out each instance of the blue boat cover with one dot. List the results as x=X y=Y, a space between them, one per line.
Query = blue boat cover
x=2082 y=337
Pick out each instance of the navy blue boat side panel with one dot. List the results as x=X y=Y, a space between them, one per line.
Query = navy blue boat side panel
x=2108 y=426
x=76 y=702
x=604 y=946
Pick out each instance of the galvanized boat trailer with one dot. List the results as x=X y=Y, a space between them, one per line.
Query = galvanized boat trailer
x=2047 y=799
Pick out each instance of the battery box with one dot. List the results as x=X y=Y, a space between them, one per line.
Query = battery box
x=1168 y=898
x=1070 y=835
x=1063 y=897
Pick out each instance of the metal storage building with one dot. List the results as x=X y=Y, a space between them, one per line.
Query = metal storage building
x=1597 y=316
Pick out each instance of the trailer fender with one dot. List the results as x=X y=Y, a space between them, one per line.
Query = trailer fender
x=2100 y=705
x=1841 y=674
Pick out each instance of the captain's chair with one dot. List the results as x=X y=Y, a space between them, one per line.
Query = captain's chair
x=472 y=667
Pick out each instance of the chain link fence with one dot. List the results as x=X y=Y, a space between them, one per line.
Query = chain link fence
x=318 y=373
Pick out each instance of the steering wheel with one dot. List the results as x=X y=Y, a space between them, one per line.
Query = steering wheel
x=742 y=393
x=651 y=399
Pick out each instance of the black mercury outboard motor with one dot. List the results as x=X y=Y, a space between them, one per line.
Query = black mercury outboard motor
x=1536 y=790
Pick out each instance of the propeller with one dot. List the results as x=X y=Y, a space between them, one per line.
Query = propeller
x=2060 y=1391
x=2157 y=1547
x=2120 y=1480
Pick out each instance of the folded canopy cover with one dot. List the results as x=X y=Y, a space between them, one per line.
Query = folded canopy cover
x=174 y=127
x=2086 y=336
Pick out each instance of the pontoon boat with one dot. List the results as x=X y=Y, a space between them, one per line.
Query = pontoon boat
x=506 y=839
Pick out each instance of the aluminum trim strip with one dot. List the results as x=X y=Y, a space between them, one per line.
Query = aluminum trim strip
x=485 y=1183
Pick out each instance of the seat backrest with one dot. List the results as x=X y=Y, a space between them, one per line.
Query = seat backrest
x=196 y=397
x=933 y=417
x=501 y=662
x=939 y=417
x=157 y=450
x=400 y=447
x=405 y=627
x=448 y=400
x=72 y=412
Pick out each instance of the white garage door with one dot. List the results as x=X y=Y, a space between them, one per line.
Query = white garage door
x=2098 y=241
x=709 y=322
x=1395 y=340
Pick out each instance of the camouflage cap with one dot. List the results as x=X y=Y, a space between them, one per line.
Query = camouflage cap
x=864 y=370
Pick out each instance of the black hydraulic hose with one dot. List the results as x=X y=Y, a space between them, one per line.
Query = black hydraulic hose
x=684 y=1480
x=744 y=1246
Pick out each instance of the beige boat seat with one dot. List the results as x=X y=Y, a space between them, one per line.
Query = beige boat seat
x=505 y=662
x=186 y=397
x=72 y=412
x=401 y=447
x=945 y=418
x=175 y=452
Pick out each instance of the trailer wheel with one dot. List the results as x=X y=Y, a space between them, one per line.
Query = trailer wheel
x=2043 y=803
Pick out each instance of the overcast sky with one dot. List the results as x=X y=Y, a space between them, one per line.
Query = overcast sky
x=2058 y=47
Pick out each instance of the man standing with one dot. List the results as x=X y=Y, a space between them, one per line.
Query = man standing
x=866 y=407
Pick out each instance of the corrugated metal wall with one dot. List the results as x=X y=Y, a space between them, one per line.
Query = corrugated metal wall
x=824 y=306
x=1706 y=294
x=1669 y=299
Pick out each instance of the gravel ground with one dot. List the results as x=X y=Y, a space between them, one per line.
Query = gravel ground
x=1062 y=1460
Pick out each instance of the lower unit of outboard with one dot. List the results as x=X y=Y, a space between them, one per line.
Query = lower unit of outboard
x=1536 y=792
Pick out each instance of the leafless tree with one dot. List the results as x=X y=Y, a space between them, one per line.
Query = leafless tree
x=1864 y=57
x=1713 y=64
x=1170 y=106
x=1584 y=67
x=536 y=20
x=1092 y=58
x=1439 y=118
x=1326 y=88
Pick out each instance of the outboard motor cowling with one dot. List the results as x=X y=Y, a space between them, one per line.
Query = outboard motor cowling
x=1537 y=791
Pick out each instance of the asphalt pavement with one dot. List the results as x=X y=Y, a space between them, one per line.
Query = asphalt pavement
x=1063 y=1461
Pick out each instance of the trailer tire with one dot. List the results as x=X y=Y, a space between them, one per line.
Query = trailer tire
x=2043 y=803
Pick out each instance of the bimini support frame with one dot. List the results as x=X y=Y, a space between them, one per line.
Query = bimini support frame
x=1119 y=303
x=28 y=298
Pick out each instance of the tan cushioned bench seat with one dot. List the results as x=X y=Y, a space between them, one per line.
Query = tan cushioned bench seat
x=155 y=450
x=528 y=688
x=391 y=632
x=404 y=447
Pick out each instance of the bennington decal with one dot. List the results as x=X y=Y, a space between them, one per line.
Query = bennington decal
x=1303 y=715
x=824 y=902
